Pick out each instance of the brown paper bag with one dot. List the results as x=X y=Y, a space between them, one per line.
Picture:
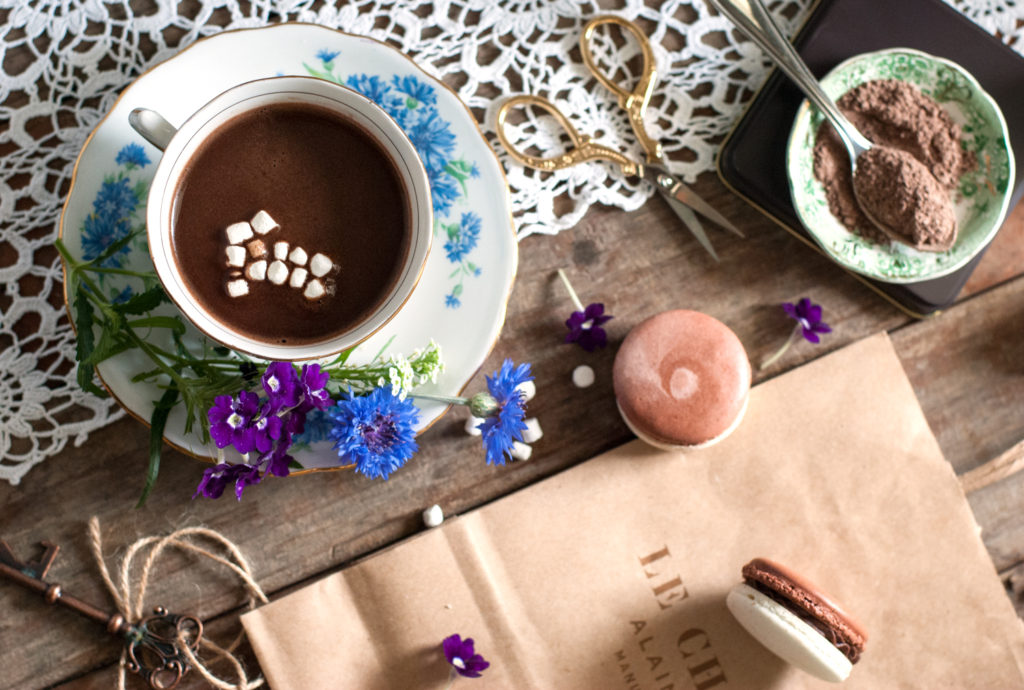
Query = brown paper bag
x=614 y=574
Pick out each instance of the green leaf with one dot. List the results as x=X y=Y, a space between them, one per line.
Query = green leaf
x=84 y=346
x=172 y=322
x=156 y=440
x=143 y=302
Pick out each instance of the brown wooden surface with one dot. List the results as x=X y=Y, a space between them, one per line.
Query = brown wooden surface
x=966 y=366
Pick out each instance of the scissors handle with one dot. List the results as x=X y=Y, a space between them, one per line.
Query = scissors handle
x=583 y=149
x=633 y=102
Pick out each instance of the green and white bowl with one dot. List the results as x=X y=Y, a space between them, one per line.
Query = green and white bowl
x=980 y=201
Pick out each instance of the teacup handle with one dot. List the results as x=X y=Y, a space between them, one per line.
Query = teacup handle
x=152 y=126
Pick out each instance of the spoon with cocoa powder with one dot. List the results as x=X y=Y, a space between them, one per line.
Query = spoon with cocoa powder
x=896 y=192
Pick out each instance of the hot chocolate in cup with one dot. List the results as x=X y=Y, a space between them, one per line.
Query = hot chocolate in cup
x=289 y=218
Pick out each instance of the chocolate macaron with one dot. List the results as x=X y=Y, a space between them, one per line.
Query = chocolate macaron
x=795 y=621
x=682 y=380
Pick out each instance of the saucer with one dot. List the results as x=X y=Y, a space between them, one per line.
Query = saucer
x=462 y=295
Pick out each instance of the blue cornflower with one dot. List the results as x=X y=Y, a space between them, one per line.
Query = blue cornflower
x=432 y=138
x=232 y=420
x=503 y=410
x=327 y=56
x=116 y=199
x=377 y=431
x=215 y=479
x=378 y=91
x=133 y=156
x=415 y=89
x=282 y=385
x=443 y=189
x=451 y=301
x=317 y=428
x=464 y=239
x=123 y=296
x=99 y=232
x=474 y=171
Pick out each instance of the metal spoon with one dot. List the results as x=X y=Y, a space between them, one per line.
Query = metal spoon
x=753 y=19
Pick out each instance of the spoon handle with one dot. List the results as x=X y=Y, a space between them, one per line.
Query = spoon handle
x=753 y=19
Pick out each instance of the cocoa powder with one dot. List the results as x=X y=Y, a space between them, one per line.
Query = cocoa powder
x=898 y=115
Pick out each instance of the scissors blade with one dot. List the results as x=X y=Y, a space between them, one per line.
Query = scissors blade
x=675 y=189
x=691 y=221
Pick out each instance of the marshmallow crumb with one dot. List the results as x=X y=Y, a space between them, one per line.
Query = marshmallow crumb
x=320 y=265
x=256 y=270
x=263 y=223
x=280 y=251
x=298 y=277
x=238 y=288
x=298 y=256
x=236 y=256
x=433 y=516
x=533 y=432
x=528 y=389
x=583 y=376
x=520 y=451
x=277 y=273
x=257 y=249
x=314 y=290
x=471 y=426
x=238 y=232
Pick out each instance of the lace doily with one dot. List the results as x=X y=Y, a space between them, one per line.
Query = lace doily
x=65 y=62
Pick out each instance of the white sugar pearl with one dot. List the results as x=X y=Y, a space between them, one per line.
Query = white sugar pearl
x=583 y=376
x=314 y=290
x=277 y=273
x=528 y=389
x=257 y=249
x=433 y=516
x=298 y=256
x=236 y=256
x=520 y=451
x=238 y=232
x=298 y=277
x=533 y=432
x=471 y=425
x=263 y=223
x=238 y=288
x=320 y=265
x=280 y=251
x=256 y=270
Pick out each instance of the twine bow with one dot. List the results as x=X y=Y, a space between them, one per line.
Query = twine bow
x=129 y=594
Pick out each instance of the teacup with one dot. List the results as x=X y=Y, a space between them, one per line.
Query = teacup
x=289 y=218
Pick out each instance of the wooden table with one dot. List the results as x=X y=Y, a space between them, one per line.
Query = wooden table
x=966 y=366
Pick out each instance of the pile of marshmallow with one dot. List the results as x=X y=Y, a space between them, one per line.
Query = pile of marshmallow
x=250 y=258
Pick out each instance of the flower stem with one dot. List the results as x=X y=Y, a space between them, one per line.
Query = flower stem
x=452 y=675
x=782 y=350
x=441 y=398
x=572 y=293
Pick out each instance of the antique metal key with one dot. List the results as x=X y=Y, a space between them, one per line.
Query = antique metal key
x=152 y=646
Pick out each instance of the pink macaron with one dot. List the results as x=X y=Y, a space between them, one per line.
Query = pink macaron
x=682 y=380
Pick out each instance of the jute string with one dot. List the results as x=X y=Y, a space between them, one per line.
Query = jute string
x=130 y=591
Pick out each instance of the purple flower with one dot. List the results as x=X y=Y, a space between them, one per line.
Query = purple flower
x=503 y=410
x=266 y=430
x=585 y=327
x=808 y=315
x=377 y=431
x=463 y=657
x=282 y=385
x=215 y=479
x=314 y=382
x=232 y=420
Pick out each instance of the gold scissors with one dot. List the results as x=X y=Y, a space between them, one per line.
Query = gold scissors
x=681 y=198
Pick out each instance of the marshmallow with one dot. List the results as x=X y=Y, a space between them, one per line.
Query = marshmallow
x=433 y=516
x=257 y=249
x=263 y=223
x=298 y=256
x=532 y=433
x=314 y=290
x=239 y=232
x=528 y=389
x=298 y=277
x=238 y=288
x=520 y=451
x=583 y=376
x=277 y=273
x=256 y=270
x=471 y=426
x=320 y=265
x=236 y=255
x=280 y=251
